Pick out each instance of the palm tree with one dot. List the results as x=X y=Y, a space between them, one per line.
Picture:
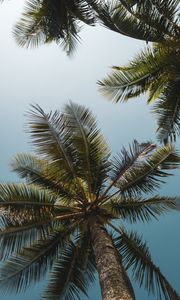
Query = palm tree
x=59 y=220
x=54 y=20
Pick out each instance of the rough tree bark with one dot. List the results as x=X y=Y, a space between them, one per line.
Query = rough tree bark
x=114 y=282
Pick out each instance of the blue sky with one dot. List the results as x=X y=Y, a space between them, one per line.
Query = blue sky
x=48 y=77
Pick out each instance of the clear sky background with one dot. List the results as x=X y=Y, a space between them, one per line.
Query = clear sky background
x=48 y=77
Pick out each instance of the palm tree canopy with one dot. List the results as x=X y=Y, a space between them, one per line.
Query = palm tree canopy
x=53 y=20
x=155 y=71
x=70 y=181
x=149 y=20
x=45 y=21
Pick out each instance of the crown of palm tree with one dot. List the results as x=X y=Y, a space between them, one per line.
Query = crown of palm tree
x=44 y=21
x=156 y=69
x=70 y=182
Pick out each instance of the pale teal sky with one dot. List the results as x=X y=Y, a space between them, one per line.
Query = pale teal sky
x=48 y=77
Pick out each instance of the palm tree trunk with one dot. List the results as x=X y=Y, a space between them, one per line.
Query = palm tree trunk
x=114 y=282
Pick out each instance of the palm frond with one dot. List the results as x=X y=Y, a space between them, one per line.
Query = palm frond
x=164 y=11
x=28 y=203
x=91 y=149
x=32 y=263
x=72 y=272
x=167 y=111
x=147 y=172
x=53 y=21
x=25 y=193
x=135 y=255
x=41 y=172
x=136 y=78
x=49 y=135
x=143 y=210
x=17 y=235
x=122 y=19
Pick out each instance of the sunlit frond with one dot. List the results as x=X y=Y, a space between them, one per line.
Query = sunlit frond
x=138 y=77
x=42 y=173
x=92 y=151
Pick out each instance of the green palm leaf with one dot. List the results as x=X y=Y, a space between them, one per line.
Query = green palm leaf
x=51 y=20
x=135 y=255
x=40 y=172
x=144 y=210
x=72 y=272
x=15 y=236
x=91 y=148
x=49 y=135
x=147 y=172
x=28 y=202
x=167 y=111
x=32 y=263
x=121 y=18
x=138 y=77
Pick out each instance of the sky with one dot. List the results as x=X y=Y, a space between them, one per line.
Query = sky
x=48 y=77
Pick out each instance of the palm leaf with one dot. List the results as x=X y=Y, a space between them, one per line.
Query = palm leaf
x=136 y=78
x=167 y=111
x=28 y=203
x=40 y=172
x=15 y=236
x=52 y=141
x=53 y=21
x=135 y=255
x=147 y=172
x=121 y=18
x=134 y=210
x=91 y=148
x=72 y=272
x=31 y=264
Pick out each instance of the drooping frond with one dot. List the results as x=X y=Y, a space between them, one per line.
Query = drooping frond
x=17 y=235
x=135 y=255
x=72 y=272
x=144 y=210
x=26 y=194
x=91 y=149
x=147 y=172
x=121 y=18
x=155 y=71
x=138 y=77
x=167 y=112
x=31 y=264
